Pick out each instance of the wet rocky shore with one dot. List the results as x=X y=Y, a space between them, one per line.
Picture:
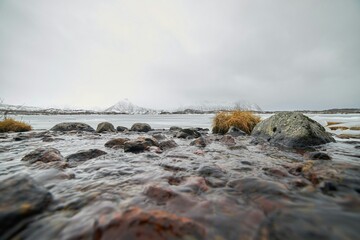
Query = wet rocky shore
x=140 y=183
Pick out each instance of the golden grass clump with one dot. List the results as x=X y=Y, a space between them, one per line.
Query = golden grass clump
x=11 y=125
x=243 y=120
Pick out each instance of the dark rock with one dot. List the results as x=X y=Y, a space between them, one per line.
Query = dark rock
x=168 y=144
x=44 y=155
x=140 y=127
x=159 y=136
x=159 y=194
x=311 y=223
x=235 y=132
x=20 y=197
x=258 y=186
x=116 y=143
x=292 y=129
x=135 y=223
x=317 y=156
x=84 y=155
x=72 y=126
x=105 y=127
x=211 y=171
x=140 y=144
x=121 y=129
x=175 y=128
x=228 y=140
x=199 y=142
x=188 y=133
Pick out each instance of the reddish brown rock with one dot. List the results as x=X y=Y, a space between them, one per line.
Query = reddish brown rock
x=116 y=143
x=138 y=224
x=159 y=194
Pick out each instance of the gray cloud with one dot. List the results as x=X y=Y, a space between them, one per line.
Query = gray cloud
x=279 y=54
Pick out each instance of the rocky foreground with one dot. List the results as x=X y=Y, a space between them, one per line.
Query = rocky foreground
x=75 y=182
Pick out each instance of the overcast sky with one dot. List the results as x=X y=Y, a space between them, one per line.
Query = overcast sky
x=279 y=54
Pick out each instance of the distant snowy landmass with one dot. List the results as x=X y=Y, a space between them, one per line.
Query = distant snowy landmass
x=125 y=106
x=217 y=106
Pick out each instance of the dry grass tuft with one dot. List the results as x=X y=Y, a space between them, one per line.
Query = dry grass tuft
x=243 y=120
x=339 y=127
x=11 y=125
x=333 y=123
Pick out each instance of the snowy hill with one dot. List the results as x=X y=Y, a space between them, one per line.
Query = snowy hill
x=216 y=106
x=125 y=106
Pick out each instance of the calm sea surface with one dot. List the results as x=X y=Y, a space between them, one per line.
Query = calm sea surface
x=42 y=122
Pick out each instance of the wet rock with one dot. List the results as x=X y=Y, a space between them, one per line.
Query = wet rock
x=159 y=194
x=211 y=171
x=175 y=128
x=258 y=186
x=199 y=142
x=72 y=126
x=311 y=223
x=105 y=127
x=235 y=132
x=292 y=129
x=20 y=197
x=84 y=155
x=116 y=143
x=317 y=156
x=277 y=172
x=215 y=182
x=138 y=224
x=51 y=139
x=168 y=144
x=121 y=129
x=45 y=155
x=140 y=127
x=188 y=133
x=228 y=140
x=196 y=184
x=159 y=136
x=140 y=144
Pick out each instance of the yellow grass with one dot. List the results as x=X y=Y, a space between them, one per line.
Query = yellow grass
x=243 y=120
x=333 y=123
x=11 y=125
x=339 y=127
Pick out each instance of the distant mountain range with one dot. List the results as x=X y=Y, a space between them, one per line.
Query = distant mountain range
x=126 y=107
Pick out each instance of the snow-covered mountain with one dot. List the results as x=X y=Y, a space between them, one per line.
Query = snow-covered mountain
x=125 y=106
x=216 y=106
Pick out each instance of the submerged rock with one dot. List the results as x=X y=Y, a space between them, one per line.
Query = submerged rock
x=317 y=156
x=236 y=132
x=84 y=155
x=311 y=223
x=168 y=144
x=292 y=129
x=105 y=127
x=199 y=142
x=71 y=126
x=20 y=197
x=116 y=143
x=140 y=144
x=44 y=155
x=121 y=129
x=188 y=133
x=140 y=127
x=175 y=128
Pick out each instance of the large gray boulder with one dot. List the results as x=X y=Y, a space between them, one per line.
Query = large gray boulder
x=72 y=126
x=141 y=127
x=105 y=127
x=20 y=197
x=292 y=129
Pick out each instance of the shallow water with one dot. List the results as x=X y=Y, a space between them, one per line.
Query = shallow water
x=228 y=192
